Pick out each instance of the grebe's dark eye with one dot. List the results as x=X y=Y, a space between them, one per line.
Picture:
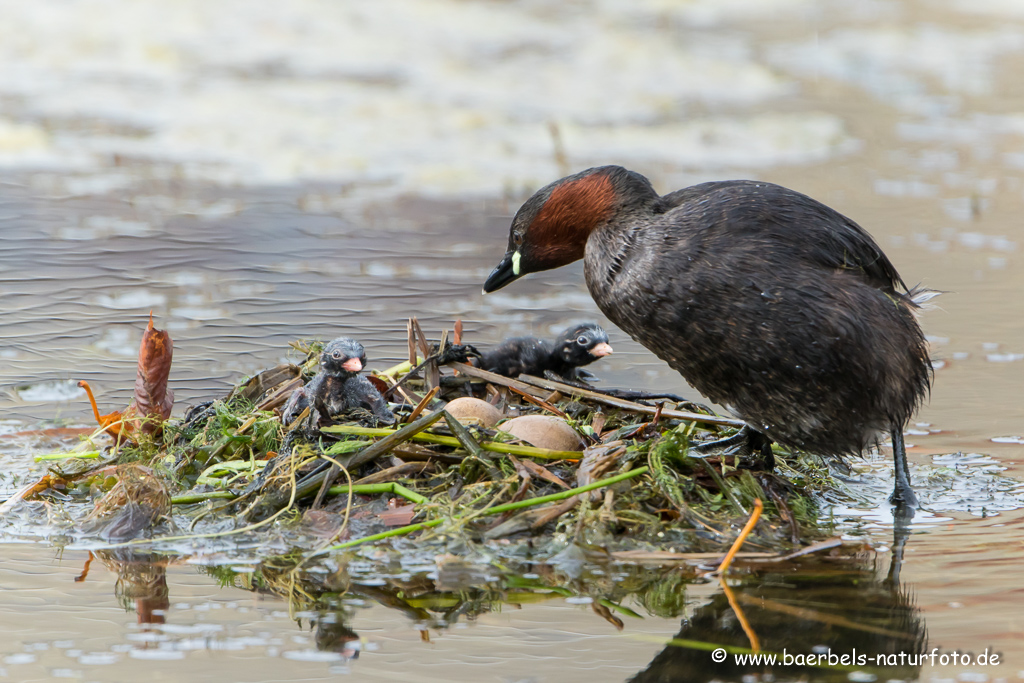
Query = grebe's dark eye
x=582 y=341
x=335 y=354
x=517 y=239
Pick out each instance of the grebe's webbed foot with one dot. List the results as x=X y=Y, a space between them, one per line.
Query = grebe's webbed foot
x=729 y=444
x=903 y=495
x=745 y=441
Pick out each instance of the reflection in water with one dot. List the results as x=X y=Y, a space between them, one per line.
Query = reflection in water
x=333 y=635
x=141 y=582
x=837 y=605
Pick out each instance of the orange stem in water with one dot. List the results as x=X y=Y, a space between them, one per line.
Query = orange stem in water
x=92 y=400
x=738 y=543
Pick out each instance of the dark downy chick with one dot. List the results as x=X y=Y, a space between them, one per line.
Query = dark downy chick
x=577 y=346
x=339 y=388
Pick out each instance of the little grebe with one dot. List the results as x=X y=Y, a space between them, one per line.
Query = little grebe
x=765 y=300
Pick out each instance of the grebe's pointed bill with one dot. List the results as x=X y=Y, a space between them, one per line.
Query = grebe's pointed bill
x=507 y=271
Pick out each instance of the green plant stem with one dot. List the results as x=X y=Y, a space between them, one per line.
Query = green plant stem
x=189 y=498
x=494 y=446
x=358 y=489
x=387 y=487
x=619 y=608
x=497 y=509
x=67 y=456
x=392 y=439
x=400 y=369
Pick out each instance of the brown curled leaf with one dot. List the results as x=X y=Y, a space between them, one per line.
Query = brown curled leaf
x=153 y=400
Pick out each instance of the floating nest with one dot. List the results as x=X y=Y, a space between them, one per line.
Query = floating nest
x=474 y=460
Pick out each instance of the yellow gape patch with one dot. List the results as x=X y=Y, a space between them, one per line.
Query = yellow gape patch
x=515 y=263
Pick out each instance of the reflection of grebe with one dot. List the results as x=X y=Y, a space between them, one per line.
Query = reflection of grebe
x=803 y=609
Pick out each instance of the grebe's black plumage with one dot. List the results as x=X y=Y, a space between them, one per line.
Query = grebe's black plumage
x=765 y=300
x=577 y=346
x=338 y=388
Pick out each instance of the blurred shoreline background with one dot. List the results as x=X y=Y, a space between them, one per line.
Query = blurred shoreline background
x=258 y=173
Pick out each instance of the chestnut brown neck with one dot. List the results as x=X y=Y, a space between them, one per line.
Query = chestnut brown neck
x=559 y=232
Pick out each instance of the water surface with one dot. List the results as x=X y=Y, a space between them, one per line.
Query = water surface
x=253 y=175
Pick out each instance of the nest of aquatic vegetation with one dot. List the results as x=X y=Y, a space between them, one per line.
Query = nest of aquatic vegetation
x=623 y=479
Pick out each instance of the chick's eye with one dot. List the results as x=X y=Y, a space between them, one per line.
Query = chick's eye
x=582 y=341
x=335 y=354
